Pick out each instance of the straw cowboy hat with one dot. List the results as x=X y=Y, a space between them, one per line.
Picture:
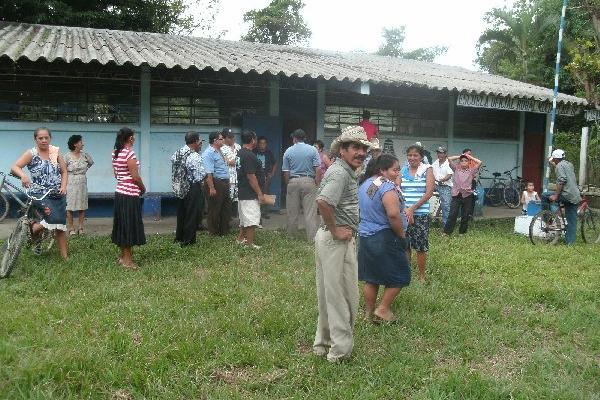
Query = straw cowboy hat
x=350 y=134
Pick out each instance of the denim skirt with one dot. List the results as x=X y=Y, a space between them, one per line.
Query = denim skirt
x=382 y=260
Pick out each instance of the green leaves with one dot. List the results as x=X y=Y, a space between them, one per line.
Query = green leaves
x=393 y=46
x=278 y=23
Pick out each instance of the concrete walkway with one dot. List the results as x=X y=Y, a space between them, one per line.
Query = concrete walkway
x=277 y=220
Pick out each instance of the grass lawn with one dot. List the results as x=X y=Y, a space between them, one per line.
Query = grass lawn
x=499 y=318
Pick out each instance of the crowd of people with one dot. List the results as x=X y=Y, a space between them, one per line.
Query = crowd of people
x=366 y=211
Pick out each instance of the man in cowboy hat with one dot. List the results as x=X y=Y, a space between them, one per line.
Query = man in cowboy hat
x=335 y=246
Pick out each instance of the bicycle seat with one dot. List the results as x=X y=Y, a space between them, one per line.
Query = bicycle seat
x=496 y=174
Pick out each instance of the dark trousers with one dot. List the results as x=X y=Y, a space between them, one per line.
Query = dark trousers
x=465 y=204
x=570 y=216
x=188 y=209
x=218 y=215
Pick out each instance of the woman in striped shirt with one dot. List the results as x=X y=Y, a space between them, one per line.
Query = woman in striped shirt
x=417 y=186
x=128 y=227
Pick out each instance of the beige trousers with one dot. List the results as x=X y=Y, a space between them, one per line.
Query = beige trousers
x=302 y=198
x=337 y=295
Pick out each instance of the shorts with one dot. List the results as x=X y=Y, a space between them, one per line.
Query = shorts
x=249 y=213
x=418 y=233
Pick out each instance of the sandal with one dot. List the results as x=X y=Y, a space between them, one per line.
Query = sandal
x=72 y=232
x=382 y=321
x=80 y=231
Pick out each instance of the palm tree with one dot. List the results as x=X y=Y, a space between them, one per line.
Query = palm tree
x=512 y=45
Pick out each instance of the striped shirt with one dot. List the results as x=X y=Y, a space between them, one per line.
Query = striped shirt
x=125 y=184
x=414 y=187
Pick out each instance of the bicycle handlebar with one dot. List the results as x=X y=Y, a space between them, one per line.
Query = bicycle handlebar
x=34 y=186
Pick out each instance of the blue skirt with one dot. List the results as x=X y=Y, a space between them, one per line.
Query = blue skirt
x=382 y=260
x=53 y=211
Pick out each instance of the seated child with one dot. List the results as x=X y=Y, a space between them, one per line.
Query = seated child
x=527 y=196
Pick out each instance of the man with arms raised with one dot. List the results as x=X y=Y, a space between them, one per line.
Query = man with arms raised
x=335 y=247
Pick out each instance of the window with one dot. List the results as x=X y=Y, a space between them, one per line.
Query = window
x=478 y=123
x=32 y=98
x=184 y=110
x=339 y=117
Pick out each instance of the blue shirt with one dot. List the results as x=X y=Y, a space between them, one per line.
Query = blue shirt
x=301 y=160
x=214 y=163
x=414 y=187
x=373 y=217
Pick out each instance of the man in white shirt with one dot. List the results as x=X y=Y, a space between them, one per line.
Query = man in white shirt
x=443 y=181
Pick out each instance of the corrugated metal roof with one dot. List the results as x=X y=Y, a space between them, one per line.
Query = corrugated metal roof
x=50 y=43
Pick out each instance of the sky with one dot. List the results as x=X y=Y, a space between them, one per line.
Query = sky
x=349 y=25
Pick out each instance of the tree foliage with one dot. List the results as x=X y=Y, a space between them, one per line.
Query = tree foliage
x=161 y=16
x=278 y=23
x=393 y=46
x=520 y=43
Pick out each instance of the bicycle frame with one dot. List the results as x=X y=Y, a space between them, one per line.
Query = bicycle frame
x=25 y=205
x=7 y=186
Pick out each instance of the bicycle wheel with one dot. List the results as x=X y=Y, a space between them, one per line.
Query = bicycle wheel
x=495 y=194
x=12 y=247
x=511 y=197
x=4 y=207
x=545 y=228
x=590 y=227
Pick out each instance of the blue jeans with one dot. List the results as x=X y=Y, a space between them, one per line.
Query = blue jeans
x=570 y=216
x=445 y=200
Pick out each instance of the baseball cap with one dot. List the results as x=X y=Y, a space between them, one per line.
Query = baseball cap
x=558 y=153
x=441 y=149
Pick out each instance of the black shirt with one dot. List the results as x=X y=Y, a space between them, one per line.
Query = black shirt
x=247 y=163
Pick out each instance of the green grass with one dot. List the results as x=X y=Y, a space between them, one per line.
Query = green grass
x=499 y=318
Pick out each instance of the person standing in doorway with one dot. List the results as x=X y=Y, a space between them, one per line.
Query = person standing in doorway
x=369 y=127
x=443 y=181
x=302 y=174
x=216 y=187
x=268 y=163
x=187 y=164
x=567 y=192
x=249 y=170
x=335 y=247
x=462 y=192
x=229 y=150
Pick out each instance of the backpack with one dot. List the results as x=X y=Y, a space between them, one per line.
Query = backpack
x=179 y=175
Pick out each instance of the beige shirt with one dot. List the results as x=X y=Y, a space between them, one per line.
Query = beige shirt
x=339 y=189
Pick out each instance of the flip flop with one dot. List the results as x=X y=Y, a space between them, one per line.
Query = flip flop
x=377 y=320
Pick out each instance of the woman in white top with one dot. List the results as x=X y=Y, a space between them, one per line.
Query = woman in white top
x=528 y=195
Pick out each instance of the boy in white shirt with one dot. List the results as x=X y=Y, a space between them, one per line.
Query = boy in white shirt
x=527 y=196
x=443 y=181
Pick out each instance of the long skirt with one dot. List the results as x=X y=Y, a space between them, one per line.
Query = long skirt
x=382 y=260
x=128 y=226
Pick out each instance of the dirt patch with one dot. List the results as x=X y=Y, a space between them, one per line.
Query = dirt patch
x=122 y=394
x=504 y=365
x=303 y=349
x=247 y=375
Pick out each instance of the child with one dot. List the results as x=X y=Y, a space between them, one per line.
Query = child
x=527 y=196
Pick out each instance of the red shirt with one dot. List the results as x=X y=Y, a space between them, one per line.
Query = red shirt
x=125 y=184
x=369 y=127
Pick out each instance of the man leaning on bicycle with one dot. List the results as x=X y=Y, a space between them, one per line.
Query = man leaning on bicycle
x=567 y=192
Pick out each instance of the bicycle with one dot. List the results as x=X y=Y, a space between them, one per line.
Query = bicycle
x=4 y=204
x=22 y=232
x=513 y=189
x=495 y=193
x=547 y=226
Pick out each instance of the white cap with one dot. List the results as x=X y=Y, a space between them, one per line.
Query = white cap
x=558 y=153
x=418 y=144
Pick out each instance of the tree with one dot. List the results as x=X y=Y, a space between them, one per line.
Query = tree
x=161 y=16
x=393 y=46
x=514 y=43
x=585 y=55
x=278 y=23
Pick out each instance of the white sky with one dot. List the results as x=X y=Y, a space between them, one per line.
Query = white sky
x=349 y=25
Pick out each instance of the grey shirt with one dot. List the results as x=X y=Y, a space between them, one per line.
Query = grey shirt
x=565 y=175
x=339 y=189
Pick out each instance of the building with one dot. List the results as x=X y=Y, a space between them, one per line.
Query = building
x=93 y=81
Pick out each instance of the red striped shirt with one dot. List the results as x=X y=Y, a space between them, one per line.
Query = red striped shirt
x=125 y=184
